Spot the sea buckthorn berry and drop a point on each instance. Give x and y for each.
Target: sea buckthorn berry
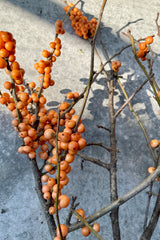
(70, 95)
(45, 178)
(45, 188)
(81, 128)
(32, 155)
(57, 52)
(7, 85)
(57, 40)
(32, 85)
(49, 133)
(63, 201)
(47, 195)
(15, 65)
(81, 143)
(52, 45)
(64, 230)
(59, 23)
(16, 74)
(85, 231)
(6, 36)
(46, 53)
(3, 63)
(149, 40)
(81, 212)
(154, 143)
(75, 95)
(52, 210)
(158, 93)
(11, 58)
(64, 136)
(142, 45)
(10, 45)
(140, 53)
(4, 53)
(151, 170)
(96, 227)
(51, 182)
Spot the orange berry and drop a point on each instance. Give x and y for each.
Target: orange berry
(45, 178)
(149, 40)
(7, 85)
(46, 53)
(76, 95)
(70, 95)
(59, 23)
(151, 170)
(52, 211)
(15, 65)
(3, 63)
(10, 45)
(6, 36)
(47, 195)
(45, 188)
(32, 85)
(81, 212)
(85, 231)
(4, 53)
(64, 230)
(142, 45)
(57, 52)
(96, 227)
(16, 74)
(154, 143)
(43, 156)
(11, 58)
(51, 182)
(32, 155)
(69, 158)
(63, 201)
(49, 133)
(82, 143)
(48, 167)
(80, 128)
(140, 53)
(64, 137)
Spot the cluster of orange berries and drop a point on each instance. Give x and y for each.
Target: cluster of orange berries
(37, 127)
(80, 23)
(116, 65)
(59, 27)
(143, 48)
(85, 231)
(45, 66)
(7, 57)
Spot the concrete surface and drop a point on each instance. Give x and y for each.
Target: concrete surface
(32, 24)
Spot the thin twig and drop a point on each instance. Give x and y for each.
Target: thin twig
(147, 234)
(130, 98)
(95, 161)
(91, 64)
(138, 120)
(147, 208)
(58, 180)
(144, 184)
(70, 213)
(158, 26)
(101, 145)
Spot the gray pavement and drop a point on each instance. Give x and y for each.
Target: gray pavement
(32, 24)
